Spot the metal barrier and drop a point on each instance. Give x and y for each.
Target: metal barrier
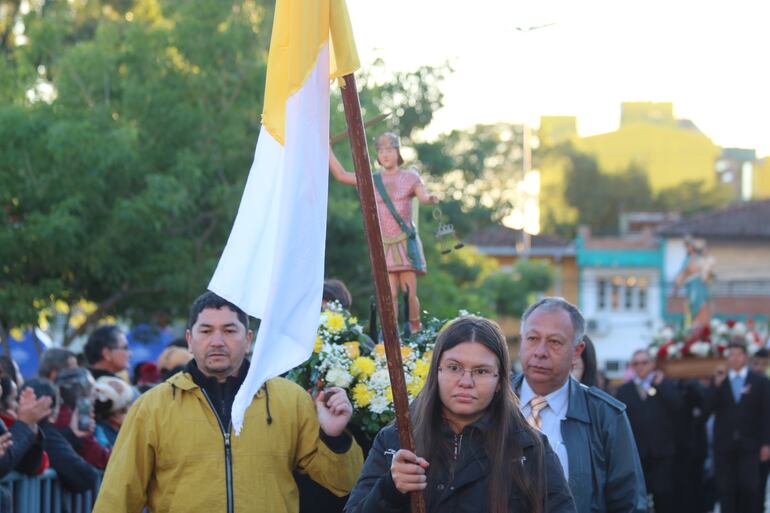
(42, 494)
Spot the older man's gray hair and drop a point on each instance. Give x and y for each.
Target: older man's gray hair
(552, 303)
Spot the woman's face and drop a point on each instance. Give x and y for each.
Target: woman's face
(467, 381)
(577, 368)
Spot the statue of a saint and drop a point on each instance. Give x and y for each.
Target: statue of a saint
(394, 188)
(696, 276)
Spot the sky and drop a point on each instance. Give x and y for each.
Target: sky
(709, 58)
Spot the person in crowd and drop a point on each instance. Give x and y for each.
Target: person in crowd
(587, 428)
(75, 473)
(112, 398)
(176, 451)
(740, 402)
(10, 368)
(760, 362)
(474, 451)
(395, 187)
(75, 419)
(21, 447)
(585, 368)
(172, 360)
(335, 290)
(654, 406)
(54, 360)
(107, 352)
(692, 495)
(145, 376)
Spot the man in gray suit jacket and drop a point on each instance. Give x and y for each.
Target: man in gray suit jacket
(587, 428)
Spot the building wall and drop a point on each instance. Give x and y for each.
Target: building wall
(623, 314)
(669, 154)
(761, 179)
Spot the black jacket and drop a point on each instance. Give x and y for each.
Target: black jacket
(653, 420)
(466, 491)
(25, 454)
(75, 473)
(744, 426)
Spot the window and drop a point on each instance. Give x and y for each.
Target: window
(601, 300)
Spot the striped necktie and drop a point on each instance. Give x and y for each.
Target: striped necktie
(537, 403)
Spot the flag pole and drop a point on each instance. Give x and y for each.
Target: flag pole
(365, 187)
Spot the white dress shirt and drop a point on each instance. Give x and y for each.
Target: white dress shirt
(550, 417)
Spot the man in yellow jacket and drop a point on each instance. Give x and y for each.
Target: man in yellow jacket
(176, 452)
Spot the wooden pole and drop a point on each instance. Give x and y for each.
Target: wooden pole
(365, 187)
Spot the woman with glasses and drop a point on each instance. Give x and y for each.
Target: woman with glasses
(475, 452)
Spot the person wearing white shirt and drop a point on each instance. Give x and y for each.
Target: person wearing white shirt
(740, 402)
(588, 429)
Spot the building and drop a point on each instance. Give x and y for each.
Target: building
(620, 293)
(738, 237)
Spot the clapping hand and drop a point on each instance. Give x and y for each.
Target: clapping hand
(334, 410)
(408, 471)
(5, 443)
(31, 409)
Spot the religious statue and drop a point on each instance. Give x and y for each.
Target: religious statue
(394, 188)
(695, 276)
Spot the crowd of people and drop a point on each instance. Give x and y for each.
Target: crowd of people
(68, 416)
(486, 438)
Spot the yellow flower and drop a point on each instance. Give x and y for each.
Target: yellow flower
(335, 322)
(379, 350)
(362, 396)
(414, 387)
(353, 320)
(389, 394)
(77, 319)
(405, 351)
(17, 334)
(42, 319)
(362, 366)
(421, 368)
(318, 344)
(353, 349)
(427, 356)
(61, 306)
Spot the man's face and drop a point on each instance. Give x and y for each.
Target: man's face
(759, 364)
(116, 357)
(547, 351)
(737, 358)
(642, 364)
(219, 342)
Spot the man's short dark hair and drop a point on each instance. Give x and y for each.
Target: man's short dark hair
(103, 337)
(762, 353)
(335, 290)
(54, 359)
(551, 303)
(211, 300)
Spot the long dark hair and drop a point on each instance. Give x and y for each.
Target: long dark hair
(590, 368)
(505, 470)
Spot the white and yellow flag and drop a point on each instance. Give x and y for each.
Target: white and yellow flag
(273, 264)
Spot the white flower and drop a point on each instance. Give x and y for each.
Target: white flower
(700, 348)
(667, 333)
(380, 379)
(379, 404)
(739, 329)
(339, 377)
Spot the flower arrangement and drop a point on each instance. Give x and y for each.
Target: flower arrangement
(706, 341)
(346, 357)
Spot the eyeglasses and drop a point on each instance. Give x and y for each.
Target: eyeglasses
(478, 374)
(634, 364)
